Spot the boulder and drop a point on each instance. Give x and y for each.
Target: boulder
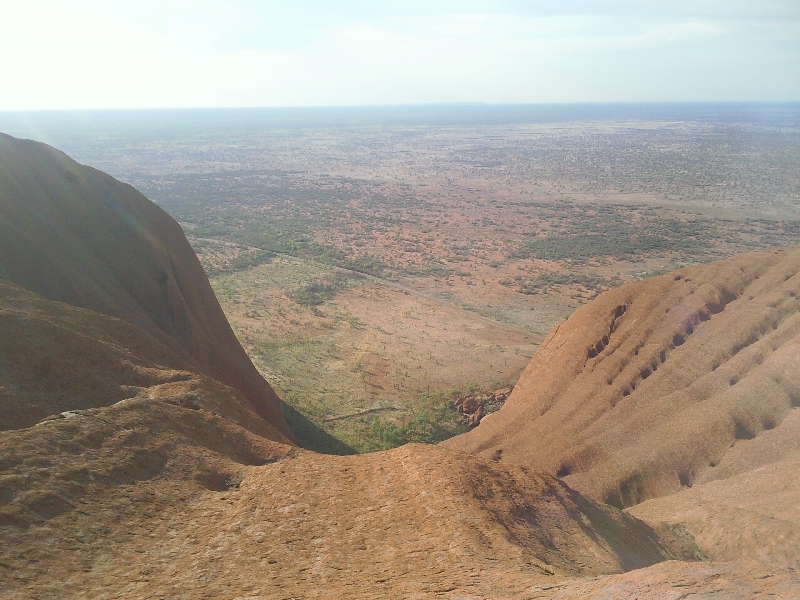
(470, 405)
(475, 418)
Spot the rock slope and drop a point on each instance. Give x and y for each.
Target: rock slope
(145, 477)
(676, 396)
(76, 235)
(652, 387)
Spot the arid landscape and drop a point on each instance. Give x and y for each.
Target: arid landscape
(376, 265)
(564, 346)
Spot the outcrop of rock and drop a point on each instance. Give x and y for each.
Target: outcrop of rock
(652, 386)
(473, 407)
(412, 522)
(76, 235)
(679, 392)
(750, 510)
(57, 359)
(150, 478)
(113, 407)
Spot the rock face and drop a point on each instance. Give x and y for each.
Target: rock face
(76, 235)
(412, 522)
(672, 579)
(152, 478)
(112, 406)
(56, 358)
(470, 405)
(677, 396)
(754, 515)
(652, 386)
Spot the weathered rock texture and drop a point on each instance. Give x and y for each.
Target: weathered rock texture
(74, 234)
(680, 393)
(653, 386)
(752, 516)
(55, 358)
(150, 478)
(674, 580)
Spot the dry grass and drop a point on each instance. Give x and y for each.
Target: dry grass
(368, 348)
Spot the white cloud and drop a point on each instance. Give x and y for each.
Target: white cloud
(88, 54)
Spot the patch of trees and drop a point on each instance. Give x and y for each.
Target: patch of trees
(618, 240)
(544, 281)
(317, 292)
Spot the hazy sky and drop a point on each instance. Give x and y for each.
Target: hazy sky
(142, 53)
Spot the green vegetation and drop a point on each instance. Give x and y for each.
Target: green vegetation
(584, 247)
(317, 292)
(343, 391)
(312, 436)
(218, 258)
(432, 420)
(580, 233)
(247, 260)
(275, 213)
(544, 282)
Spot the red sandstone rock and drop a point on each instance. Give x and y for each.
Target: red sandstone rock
(470, 405)
(76, 235)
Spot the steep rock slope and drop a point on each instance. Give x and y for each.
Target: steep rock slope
(752, 516)
(76, 235)
(55, 358)
(654, 386)
(124, 408)
(677, 397)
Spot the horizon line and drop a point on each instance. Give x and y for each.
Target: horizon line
(418, 105)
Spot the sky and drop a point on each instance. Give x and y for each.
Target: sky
(87, 54)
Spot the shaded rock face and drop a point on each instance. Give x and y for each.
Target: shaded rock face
(754, 515)
(658, 385)
(76, 235)
(56, 360)
(89, 403)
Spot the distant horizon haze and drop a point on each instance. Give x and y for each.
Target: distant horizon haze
(87, 55)
(70, 129)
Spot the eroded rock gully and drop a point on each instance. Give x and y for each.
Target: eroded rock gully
(672, 396)
(641, 391)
